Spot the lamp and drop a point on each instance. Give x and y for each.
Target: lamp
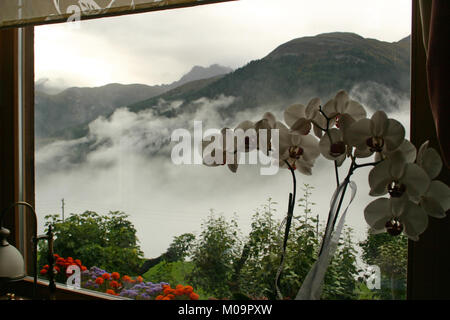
(12, 266)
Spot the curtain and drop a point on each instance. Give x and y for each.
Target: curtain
(435, 16)
(14, 13)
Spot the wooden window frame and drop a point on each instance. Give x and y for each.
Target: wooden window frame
(428, 259)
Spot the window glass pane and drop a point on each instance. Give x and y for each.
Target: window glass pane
(109, 95)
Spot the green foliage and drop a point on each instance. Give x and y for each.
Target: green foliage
(180, 248)
(106, 241)
(258, 274)
(214, 253)
(302, 250)
(227, 267)
(390, 254)
(340, 282)
(172, 272)
(221, 263)
(364, 293)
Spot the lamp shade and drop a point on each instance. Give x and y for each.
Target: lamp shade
(12, 266)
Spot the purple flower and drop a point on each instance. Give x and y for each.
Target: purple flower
(124, 293)
(145, 296)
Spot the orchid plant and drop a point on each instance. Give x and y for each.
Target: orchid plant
(402, 178)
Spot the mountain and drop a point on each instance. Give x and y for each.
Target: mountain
(377, 73)
(71, 110)
(199, 72)
(306, 67)
(75, 106)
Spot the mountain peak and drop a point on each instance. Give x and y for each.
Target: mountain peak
(199, 72)
(322, 45)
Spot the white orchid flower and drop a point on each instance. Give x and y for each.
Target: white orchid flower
(333, 146)
(396, 176)
(396, 215)
(300, 151)
(250, 137)
(268, 123)
(407, 149)
(301, 119)
(429, 160)
(436, 200)
(211, 148)
(376, 134)
(303, 166)
(340, 105)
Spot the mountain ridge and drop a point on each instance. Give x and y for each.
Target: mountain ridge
(302, 67)
(76, 106)
(292, 72)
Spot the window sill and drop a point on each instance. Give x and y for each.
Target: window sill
(24, 288)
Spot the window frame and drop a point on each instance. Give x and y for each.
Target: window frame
(427, 259)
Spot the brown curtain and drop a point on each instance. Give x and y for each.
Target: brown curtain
(14, 13)
(435, 16)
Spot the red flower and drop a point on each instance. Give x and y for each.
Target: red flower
(160, 297)
(83, 268)
(179, 292)
(106, 276)
(110, 291)
(140, 279)
(126, 278)
(115, 275)
(57, 269)
(78, 262)
(171, 296)
(114, 284)
(46, 266)
(188, 289)
(168, 290)
(99, 281)
(43, 271)
(194, 296)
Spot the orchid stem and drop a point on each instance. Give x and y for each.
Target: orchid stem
(336, 171)
(357, 166)
(290, 214)
(352, 168)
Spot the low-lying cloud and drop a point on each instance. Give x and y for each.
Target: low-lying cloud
(124, 164)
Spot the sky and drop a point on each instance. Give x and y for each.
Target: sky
(159, 47)
(164, 200)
